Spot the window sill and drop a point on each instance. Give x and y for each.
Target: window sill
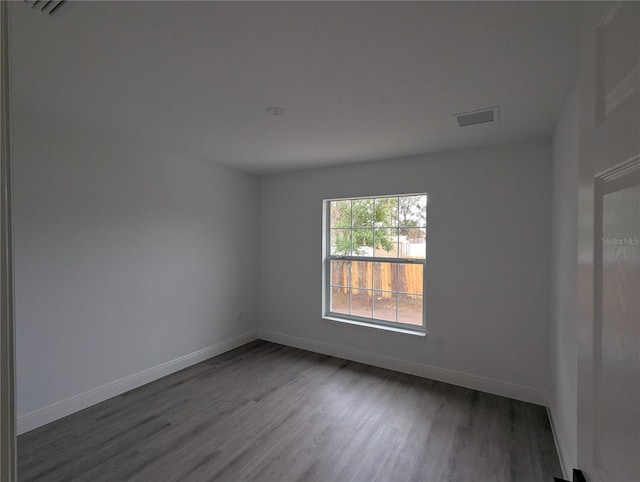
(376, 326)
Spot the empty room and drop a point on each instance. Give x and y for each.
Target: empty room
(320, 241)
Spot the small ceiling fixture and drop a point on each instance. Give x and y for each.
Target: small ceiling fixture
(480, 116)
(275, 110)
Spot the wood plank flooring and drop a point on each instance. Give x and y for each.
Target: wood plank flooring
(273, 413)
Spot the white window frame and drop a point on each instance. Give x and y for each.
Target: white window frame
(327, 257)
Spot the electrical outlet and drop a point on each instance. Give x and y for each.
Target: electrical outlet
(438, 342)
(239, 317)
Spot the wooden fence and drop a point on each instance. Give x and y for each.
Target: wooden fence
(407, 278)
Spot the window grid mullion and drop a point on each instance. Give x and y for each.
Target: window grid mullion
(378, 260)
(382, 291)
(351, 240)
(396, 284)
(373, 251)
(350, 289)
(371, 289)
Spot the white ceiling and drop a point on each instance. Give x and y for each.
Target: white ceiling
(359, 81)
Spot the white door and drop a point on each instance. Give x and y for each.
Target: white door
(609, 244)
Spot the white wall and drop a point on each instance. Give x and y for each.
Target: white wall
(125, 258)
(128, 258)
(487, 266)
(564, 259)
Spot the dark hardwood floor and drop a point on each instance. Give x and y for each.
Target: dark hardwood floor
(274, 413)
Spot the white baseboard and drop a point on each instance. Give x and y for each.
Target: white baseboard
(531, 395)
(556, 439)
(42, 416)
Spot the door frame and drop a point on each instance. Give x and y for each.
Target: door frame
(7, 337)
(600, 166)
(620, 176)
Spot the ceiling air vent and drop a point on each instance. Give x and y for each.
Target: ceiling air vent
(480, 116)
(46, 6)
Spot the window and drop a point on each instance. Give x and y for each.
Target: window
(375, 258)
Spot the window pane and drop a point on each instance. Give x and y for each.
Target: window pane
(412, 211)
(339, 272)
(362, 213)
(410, 278)
(413, 242)
(386, 212)
(339, 300)
(407, 249)
(410, 309)
(340, 242)
(384, 306)
(340, 214)
(361, 303)
(362, 242)
(361, 274)
(385, 276)
(386, 242)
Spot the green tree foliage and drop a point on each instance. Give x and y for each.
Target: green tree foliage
(411, 217)
(369, 222)
(375, 223)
